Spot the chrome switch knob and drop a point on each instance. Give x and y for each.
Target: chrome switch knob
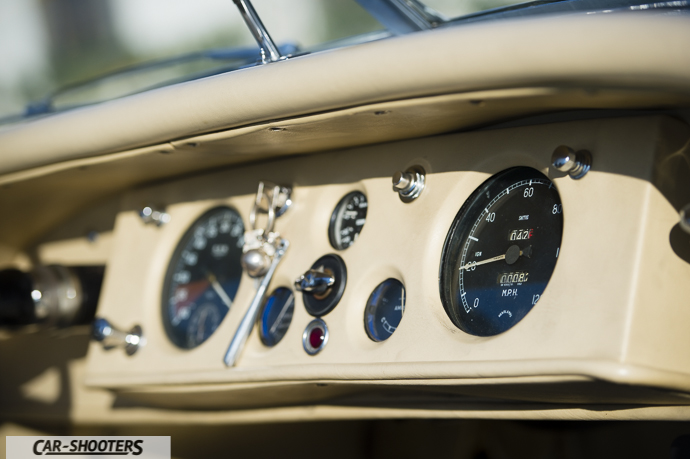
(409, 184)
(685, 218)
(256, 262)
(111, 337)
(403, 181)
(567, 160)
(314, 281)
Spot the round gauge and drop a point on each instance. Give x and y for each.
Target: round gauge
(203, 277)
(384, 310)
(347, 220)
(276, 316)
(500, 251)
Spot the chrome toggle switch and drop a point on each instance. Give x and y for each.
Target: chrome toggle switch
(409, 184)
(249, 319)
(567, 160)
(111, 337)
(685, 218)
(315, 281)
(262, 251)
(154, 216)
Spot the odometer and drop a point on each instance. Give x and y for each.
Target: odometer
(203, 277)
(500, 251)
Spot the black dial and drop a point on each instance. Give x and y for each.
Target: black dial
(203, 277)
(384, 310)
(501, 251)
(347, 220)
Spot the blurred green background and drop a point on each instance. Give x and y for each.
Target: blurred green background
(48, 44)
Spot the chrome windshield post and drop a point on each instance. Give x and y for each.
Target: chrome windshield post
(269, 50)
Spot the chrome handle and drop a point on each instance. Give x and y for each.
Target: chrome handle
(409, 184)
(314, 281)
(111, 337)
(567, 160)
(245, 327)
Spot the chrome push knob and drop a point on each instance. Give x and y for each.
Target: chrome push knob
(403, 181)
(111, 337)
(685, 218)
(256, 262)
(567, 160)
(314, 281)
(409, 184)
(153, 216)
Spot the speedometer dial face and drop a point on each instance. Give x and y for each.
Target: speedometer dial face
(203, 277)
(501, 251)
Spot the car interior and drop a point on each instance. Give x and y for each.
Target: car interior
(455, 236)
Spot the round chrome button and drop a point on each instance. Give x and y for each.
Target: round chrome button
(315, 336)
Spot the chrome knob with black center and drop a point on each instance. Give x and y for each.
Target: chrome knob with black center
(323, 285)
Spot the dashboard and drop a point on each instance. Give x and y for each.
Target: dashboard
(599, 328)
(505, 251)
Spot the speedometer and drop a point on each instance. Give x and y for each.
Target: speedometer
(501, 251)
(203, 277)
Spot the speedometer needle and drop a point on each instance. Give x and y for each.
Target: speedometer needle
(218, 289)
(511, 256)
(472, 264)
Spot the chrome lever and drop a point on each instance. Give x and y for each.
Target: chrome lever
(314, 281)
(111, 337)
(245, 327)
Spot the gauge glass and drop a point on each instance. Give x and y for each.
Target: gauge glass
(347, 220)
(501, 251)
(203, 277)
(384, 310)
(276, 316)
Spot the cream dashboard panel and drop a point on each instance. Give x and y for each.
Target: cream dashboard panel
(611, 310)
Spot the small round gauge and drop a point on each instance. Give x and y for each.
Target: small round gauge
(384, 310)
(347, 220)
(276, 316)
(203, 277)
(500, 251)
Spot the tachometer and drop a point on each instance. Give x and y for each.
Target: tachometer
(203, 277)
(501, 251)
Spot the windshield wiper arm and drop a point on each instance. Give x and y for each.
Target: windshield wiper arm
(403, 16)
(269, 50)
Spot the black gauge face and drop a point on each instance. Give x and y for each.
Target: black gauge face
(203, 277)
(501, 251)
(347, 220)
(384, 310)
(276, 316)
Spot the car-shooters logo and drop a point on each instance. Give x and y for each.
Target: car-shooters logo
(142, 447)
(87, 447)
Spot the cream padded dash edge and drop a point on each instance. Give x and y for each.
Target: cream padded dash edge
(631, 50)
